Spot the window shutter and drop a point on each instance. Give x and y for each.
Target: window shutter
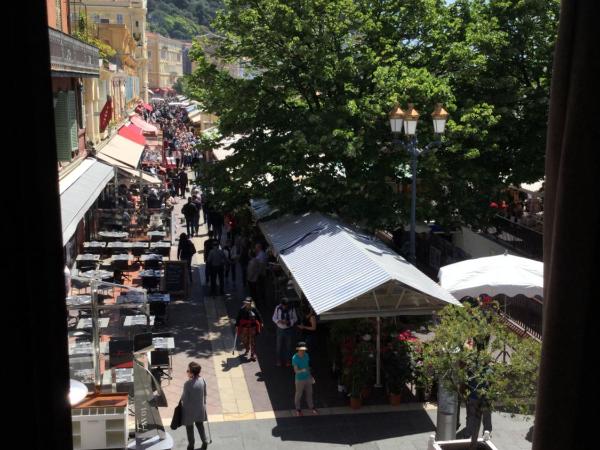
(72, 119)
(63, 134)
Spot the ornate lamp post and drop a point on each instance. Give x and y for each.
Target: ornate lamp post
(410, 119)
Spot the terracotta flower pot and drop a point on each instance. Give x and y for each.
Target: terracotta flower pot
(395, 399)
(355, 402)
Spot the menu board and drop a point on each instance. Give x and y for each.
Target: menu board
(176, 277)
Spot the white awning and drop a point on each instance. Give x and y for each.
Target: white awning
(78, 192)
(125, 151)
(345, 274)
(223, 151)
(146, 177)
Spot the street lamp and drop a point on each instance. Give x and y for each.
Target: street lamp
(410, 119)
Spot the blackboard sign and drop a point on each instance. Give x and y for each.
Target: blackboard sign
(176, 277)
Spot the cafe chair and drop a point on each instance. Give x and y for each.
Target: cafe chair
(160, 365)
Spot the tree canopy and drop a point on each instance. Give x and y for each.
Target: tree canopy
(181, 19)
(322, 75)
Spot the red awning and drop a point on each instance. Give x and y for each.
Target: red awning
(148, 107)
(141, 123)
(133, 133)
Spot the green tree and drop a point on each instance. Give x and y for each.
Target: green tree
(325, 73)
(464, 356)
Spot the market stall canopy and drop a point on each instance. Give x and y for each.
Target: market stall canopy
(145, 126)
(493, 275)
(195, 116)
(133, 133)
(125, 151)
(346, 274)
(146, 177)
(78, 192)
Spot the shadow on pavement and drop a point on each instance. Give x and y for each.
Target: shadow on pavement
(353, 429)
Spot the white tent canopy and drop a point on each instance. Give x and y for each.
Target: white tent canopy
(345, 274)
(494, 275)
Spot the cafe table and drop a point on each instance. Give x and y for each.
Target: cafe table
(161, 247)
(163, 343)
(113, 235)
(86, 260)
(159, 297)
(79, 300)
(150, 278)
(138, 248)
(87, 323)
(95, 247)
(139, 320)
(96, 274)
(85, 348)
(121, 262)
(118, 247)
(156, 235)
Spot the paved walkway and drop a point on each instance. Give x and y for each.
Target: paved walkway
(250, 403)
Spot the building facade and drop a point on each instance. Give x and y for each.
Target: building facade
(130, 15)
(165, 57)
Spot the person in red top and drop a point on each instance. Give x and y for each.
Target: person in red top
(248, 324)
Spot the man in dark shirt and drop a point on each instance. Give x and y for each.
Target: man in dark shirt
(189, 211)
(208, 246)
(183, 182)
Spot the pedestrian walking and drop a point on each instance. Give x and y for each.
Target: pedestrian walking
(185, 251)
(303, 379)
(216, 262)
(285, 318)
(249, 324)
(193, 405)
(183, 182)
(189, 212)
(208, 246)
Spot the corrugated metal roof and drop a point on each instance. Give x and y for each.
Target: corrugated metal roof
(333, 265)
(78, 192)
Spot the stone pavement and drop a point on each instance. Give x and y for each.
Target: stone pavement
(250, 403)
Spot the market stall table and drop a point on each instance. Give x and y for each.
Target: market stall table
(161, 247)
(113, 235)
(87, 323)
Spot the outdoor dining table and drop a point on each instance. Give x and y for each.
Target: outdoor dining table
(151, 261)
(140, 319)
(121, 262)
(86, 259)
(159, 297)
(113, 235)
(138, 248)
(85, 348)
(97, 274)
(165, 343)
(79, 300)
(157, 235)
(118, 247)
(131, 297)
(161, 247)
(95, 247)
(150, 278)
(122, 375)
(87, 322)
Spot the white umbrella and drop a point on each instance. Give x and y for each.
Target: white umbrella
(503, 274)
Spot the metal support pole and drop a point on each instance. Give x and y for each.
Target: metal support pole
(413, 206)
(378, 356)
(96, 336)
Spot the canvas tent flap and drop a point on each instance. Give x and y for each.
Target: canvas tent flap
(344, 274)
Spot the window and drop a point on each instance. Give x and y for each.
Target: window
(104, 20)
(137, 24)
(58, 8)
(95, 18)
(149, 54)
(120, 19)
(178, 57)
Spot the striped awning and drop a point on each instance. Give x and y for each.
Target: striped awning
(345, 274)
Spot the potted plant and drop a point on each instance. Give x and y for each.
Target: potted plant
(397, 366)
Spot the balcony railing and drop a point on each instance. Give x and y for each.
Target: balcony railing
(524, 313)
(70, 55)
(514, 236)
